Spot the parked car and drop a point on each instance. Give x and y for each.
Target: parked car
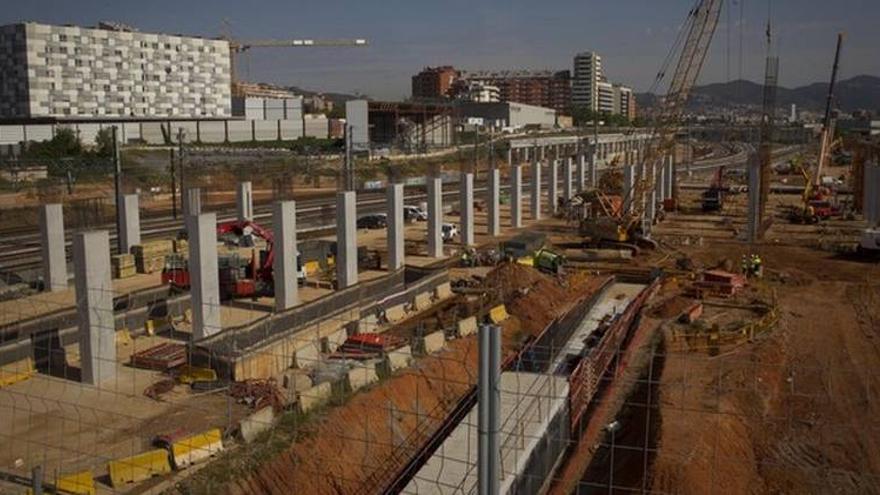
(448, 231)
(374, 221)
(414, 214)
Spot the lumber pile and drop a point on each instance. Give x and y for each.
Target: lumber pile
(149, 257)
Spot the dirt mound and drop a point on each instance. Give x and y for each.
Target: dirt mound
(373, 433)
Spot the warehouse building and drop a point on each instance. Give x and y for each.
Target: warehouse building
(508, 115)
(110, 71)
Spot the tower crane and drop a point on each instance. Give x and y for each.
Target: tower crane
(627, 226)
(237, 47)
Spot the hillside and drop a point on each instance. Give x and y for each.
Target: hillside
(857, 93)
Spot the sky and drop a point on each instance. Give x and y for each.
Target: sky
(633, 36)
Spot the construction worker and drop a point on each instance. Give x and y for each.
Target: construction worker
(757, 269)
(745, 266)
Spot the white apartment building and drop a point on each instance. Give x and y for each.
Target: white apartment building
(585, 81)
(592, 90)
(110, 72)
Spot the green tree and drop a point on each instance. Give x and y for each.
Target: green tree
(64, 144)
(104, 142)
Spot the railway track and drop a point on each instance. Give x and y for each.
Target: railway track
(20, 257)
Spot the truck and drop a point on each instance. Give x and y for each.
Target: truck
(528, 249)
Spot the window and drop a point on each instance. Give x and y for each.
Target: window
(118, 65)
(62, 49)
(62, 37)
(106, 87)
(118, 53)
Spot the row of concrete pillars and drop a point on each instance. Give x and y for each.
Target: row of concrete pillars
(92, 250)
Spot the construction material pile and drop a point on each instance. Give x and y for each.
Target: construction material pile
(122, 265)
(149, 257)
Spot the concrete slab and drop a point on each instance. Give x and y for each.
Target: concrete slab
(258, 422)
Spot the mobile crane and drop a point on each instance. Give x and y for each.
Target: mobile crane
(613, 226)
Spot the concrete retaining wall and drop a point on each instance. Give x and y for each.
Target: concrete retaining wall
(265, 130)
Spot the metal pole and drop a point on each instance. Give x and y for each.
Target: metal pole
(173, 184)
(489, 405)
(37, 472)
(180, 137)
(117, 186)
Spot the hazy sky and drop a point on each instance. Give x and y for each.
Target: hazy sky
(633, 36)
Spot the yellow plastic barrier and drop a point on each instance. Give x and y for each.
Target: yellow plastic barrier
(16, 372)
(498, 314)
(192, 374)
(82, 483)
(196, 448)
(139, 467)
(311, 267)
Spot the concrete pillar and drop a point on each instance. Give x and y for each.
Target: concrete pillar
(516, 196)
(131, 222)
(244, 201)
(670, 176)
(204, 274)
(593, 168)
(284, 265)
(435, 217)
(629, 180)
(567, 191)
(467, 209)
(660, 184)
(493, 221)
(536, 189)
(52, 247)
(94, 296)
(346, 239)
(651, 207)
(192, 202)
(553, 189)
(581, 172)
(396, 227)
(509, 158)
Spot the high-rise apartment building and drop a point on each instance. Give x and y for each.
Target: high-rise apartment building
(110, 71)
(585, 82)
(434, 82)
(590, 89)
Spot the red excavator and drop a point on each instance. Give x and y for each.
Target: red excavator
(238, 277)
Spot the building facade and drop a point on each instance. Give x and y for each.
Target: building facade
(549, 89)
(586, 79)
(590, 89)
(434, 82)
(76, 72)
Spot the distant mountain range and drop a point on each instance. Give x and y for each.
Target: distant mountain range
(857, 93)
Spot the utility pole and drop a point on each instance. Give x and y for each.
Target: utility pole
(117, 186)
(173, 184)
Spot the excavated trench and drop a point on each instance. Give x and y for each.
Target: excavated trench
(622, 464)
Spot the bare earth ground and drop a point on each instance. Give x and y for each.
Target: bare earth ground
(794, 412)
